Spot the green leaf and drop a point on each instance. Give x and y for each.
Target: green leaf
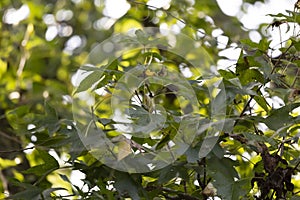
(105, 121)
(242, 64)
(207, 146)
(47, 193)
(192, 154)
(260, 138)
(224, 166)
(236, 82)
(50, 121)
(163, 141)
(50, 111)
(64, 177)
(296, 44)
(280, 117)
(54, 141)
(277, 15)
(125, 184)
(264, 44)
(19, 118)
(295, 198)
(50, 164)
(151, 54)
(142, 37)
(223, 173)
(250, 75)
(89, 81)
(218, 151)
(262, 102)
(167, 174)
(259, 167)
(233, 189)
(249, 43)
(226, 74)
(29, 194)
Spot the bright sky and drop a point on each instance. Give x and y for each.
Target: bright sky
(251, 17)
(254, 16)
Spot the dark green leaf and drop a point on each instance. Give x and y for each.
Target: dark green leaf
(28, 194)
(19, 117)
(89, 81)
(50, 164)
(125, 184)
(262, 102)
(226, 74)
(264, 44)
(64, 177)
(249, 43)
(250, 75)
(279, 118)
(223, 173)
(50, 111)
(142, 37)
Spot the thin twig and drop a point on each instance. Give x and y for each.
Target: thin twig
(10, 137)
(18, 150)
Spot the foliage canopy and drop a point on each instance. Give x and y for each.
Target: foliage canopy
(68, 68)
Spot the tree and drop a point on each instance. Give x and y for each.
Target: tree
(139, 105)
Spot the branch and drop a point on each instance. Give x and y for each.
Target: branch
(24, 52)
(17, 150)
(9, 137)
(4, 182)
